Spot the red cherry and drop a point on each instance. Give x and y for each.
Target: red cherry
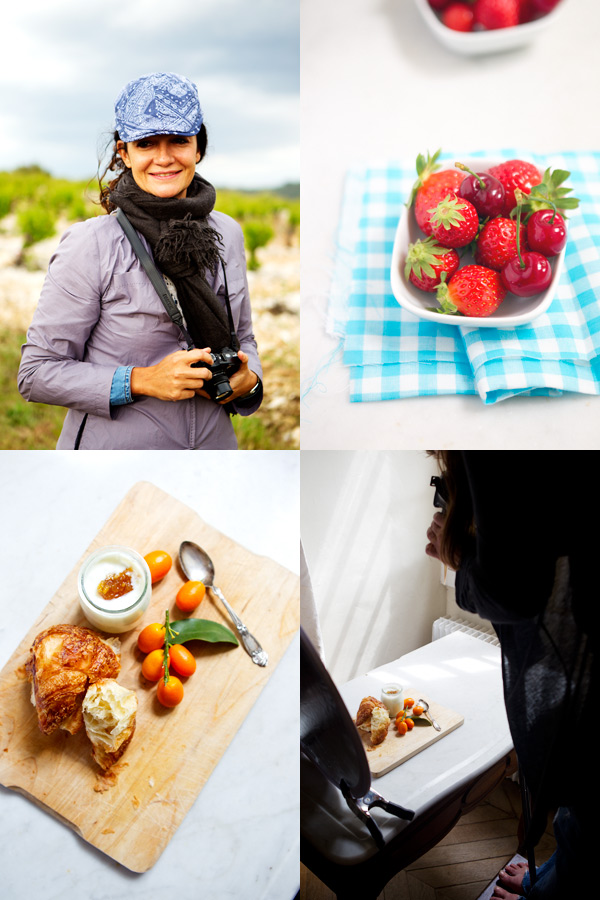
(458, 17)
(438, 4)
(546, 232)
(485, 192)
(527, 280)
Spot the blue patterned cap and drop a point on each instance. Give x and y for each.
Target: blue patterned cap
(160, 103)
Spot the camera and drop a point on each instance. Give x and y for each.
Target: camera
(224, 364)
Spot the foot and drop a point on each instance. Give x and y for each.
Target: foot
(512, 876)
(501, 894)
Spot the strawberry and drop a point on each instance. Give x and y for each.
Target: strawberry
(431, 187)
(436, 188)
(472, 291)
(497, 242)
(493, 14)
(425, 262)
(549, 193)
(515, 173)
(454, 222)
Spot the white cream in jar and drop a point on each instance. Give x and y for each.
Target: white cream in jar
(393, 697)
(119, 613)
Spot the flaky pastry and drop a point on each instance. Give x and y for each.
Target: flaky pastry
(63, 662)
(109, 712)
(373, 716)
(365, 710)
(380, 722)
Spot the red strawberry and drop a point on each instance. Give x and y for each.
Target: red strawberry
(497, 13)
(497, 242)
(458, 17)
(425, 262)
(436, 188)
(454, 222)
(472, 291)
(515, 174)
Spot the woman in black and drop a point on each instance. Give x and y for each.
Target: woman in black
(519, 529)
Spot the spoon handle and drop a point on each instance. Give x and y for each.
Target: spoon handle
(251, 645)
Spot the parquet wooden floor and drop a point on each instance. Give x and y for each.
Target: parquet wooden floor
(464, 862)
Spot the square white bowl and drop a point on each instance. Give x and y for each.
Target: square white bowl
(473, 43)
(512, 311)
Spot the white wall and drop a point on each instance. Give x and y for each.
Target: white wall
(364, 517)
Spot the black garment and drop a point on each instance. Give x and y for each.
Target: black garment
(531, 572)
(185, 247)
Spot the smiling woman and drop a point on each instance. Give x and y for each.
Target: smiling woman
(136, 341)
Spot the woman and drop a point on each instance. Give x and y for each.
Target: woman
(101, 341)
(519, 529)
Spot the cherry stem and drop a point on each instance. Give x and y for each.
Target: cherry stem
(519, 199)
(474, 174)
(554, 208)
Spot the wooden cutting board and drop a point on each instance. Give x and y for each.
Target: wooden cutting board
(173, 751)
(396, 748)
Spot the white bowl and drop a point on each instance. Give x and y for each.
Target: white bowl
(512, 311)
(472, 43)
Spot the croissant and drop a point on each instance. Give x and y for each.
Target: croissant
(64, 660)
(365, 710)
(109, 712)
(380, 722)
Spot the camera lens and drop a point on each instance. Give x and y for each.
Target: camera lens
(220, 387)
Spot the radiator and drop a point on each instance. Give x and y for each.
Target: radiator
(446, 625)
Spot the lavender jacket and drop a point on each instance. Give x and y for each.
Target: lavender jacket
(97, 311)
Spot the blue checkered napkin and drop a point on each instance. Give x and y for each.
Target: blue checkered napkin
(560, 350)
(392, 353)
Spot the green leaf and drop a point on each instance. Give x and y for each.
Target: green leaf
(558, 176)
(418, 720)
(202, 630)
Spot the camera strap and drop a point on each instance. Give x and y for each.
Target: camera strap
(161, 288)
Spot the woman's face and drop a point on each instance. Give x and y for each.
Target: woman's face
(163, 164)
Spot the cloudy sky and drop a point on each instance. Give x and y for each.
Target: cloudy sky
(64, 63)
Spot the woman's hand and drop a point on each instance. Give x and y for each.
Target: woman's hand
(434, 534)
(241, 381)
(173, 378)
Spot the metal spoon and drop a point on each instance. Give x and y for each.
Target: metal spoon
(425, 706)
(198, 566)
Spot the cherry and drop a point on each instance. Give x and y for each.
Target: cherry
(458, 17)
(485, 192)
(546, 232)
(526, 275)
(534, 9)
(529, 273)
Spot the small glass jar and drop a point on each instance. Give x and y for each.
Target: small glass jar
(393, 697)
(121, 613)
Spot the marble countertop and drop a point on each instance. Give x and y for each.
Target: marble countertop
(377, 85)
(241, 834)
(460, 673)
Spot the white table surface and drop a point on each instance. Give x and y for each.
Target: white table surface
(240, 838)
(459, 672)
(369, 73)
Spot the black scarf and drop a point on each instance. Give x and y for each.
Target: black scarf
(185, 248)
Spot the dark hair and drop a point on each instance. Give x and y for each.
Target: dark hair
(117, 165)
(458, 529)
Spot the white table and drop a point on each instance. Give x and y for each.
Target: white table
(368, 72)
(459, 672)
(242, 831)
